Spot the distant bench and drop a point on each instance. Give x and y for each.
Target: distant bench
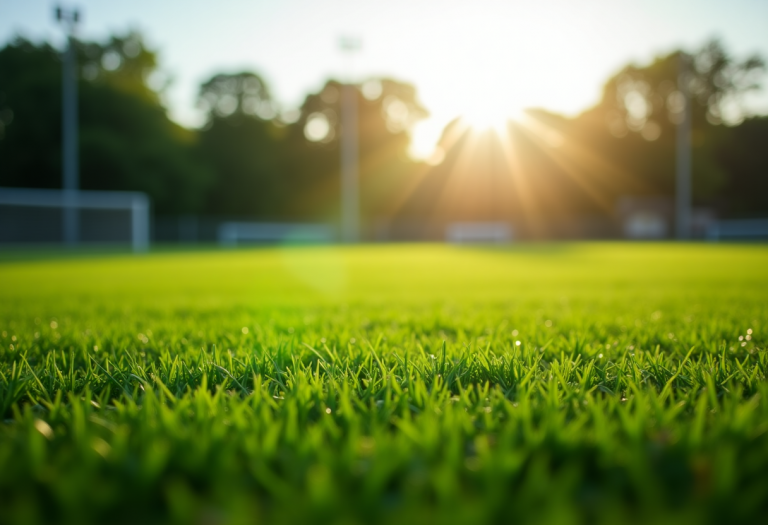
(738, 229)
(232, 233)
(478, 232)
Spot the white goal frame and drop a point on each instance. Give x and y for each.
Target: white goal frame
(136, 203)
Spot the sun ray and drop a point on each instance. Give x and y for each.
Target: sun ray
(570, 158)
(452, 136)
(601, 168)
(451, 190)
(525, 197)
(489, 174)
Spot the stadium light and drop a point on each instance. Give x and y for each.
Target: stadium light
(350, 200)
(683, 154)
(70, 161)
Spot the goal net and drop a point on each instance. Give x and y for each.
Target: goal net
(43, 216)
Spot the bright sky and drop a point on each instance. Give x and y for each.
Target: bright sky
(478, 58)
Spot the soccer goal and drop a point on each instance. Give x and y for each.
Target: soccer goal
(45, 216)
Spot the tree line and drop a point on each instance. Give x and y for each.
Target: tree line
(251, 160)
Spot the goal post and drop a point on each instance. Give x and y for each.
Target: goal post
(134, 203)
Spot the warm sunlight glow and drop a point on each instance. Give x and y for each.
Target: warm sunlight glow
(484, 118)
(487, 105)
(483, 106)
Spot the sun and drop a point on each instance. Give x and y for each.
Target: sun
(481, 121)
(486, 112)
(481, 105)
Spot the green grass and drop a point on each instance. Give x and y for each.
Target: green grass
(563, 383)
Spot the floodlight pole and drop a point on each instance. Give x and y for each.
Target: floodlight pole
(683, 155)
(350, 198)
(70, 160)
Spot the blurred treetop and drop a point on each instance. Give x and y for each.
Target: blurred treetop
(645, 99)
(253, 160)
(127, 141)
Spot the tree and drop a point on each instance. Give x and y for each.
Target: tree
(30, 110)
(546, 170)
(127, 141)
(387, 110)
(242, 142)
(743, 155)
(634, 123)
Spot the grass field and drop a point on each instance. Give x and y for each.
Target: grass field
(563, 383)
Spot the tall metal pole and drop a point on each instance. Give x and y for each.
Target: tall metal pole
(70, 159)
(683, 154)
(350, 199)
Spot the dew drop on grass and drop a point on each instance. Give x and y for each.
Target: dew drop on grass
(367, 444)
(244, 330)
(44, 428)
(517, 343)
(472, 464)
(101, 447)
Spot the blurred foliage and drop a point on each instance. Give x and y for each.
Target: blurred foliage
(385, 114)
(634, 124)
(127, 141)
(744, 156)
(641, 107)
(243, 145)
(550, 168)
(252, 160)
(272, 165)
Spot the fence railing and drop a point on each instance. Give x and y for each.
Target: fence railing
(738, 229)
